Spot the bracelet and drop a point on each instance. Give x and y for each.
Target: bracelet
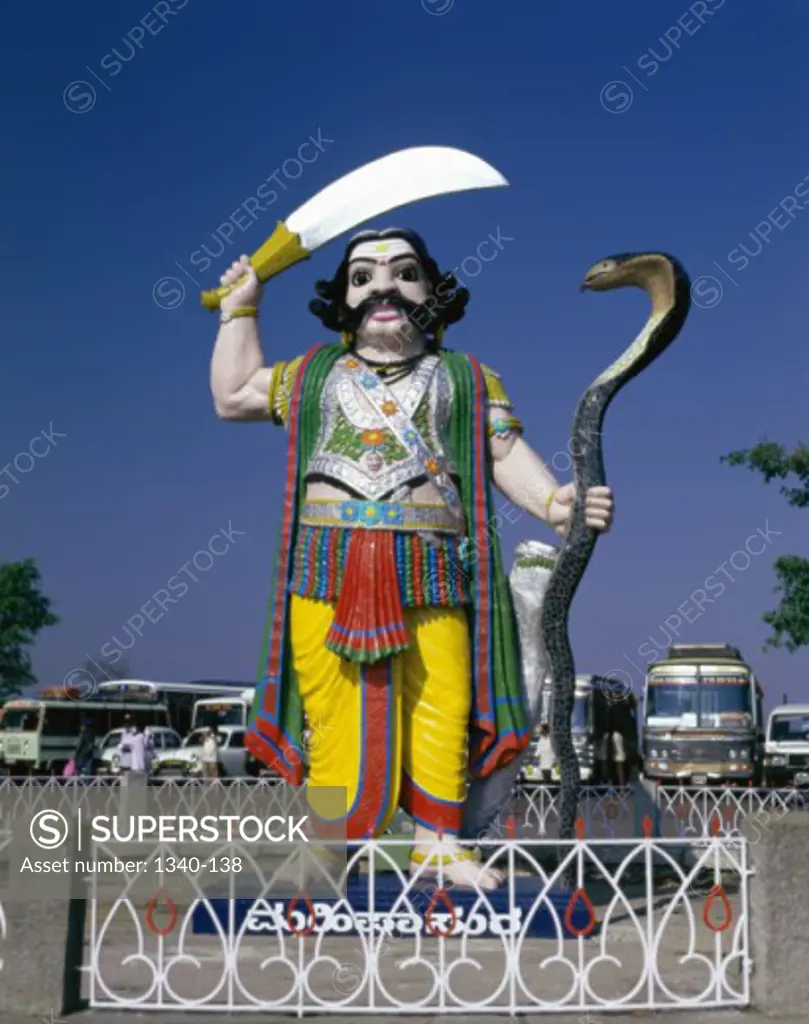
(225, 318)
(549, 501)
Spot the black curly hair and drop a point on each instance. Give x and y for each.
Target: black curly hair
(446, 305)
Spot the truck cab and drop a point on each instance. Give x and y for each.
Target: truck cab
(786, 746)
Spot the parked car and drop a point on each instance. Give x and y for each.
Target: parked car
(186, 760)
(786, 746)
(106, 758)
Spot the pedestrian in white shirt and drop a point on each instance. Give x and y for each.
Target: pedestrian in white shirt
(140, 750)
(547, 758)
(210, 756)
(125, 746)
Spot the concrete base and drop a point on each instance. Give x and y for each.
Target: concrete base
(42, 956)
(779, 912)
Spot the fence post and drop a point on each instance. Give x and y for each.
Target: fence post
(779, 912)
(43, 951)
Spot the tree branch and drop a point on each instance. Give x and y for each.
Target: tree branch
(790, 621)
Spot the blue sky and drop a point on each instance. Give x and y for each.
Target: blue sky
(135, 132)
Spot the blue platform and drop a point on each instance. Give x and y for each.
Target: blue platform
(491, 919)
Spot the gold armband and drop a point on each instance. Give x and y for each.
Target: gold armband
(272, 396)
(280, 392)
(495, 392)
(504, 426)
(239, 311)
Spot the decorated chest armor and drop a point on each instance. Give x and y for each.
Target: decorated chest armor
(356, 448)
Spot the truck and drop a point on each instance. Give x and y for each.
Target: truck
(703, 720)
(227, 709)
(786, 747)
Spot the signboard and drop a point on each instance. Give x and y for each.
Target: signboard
(460, 913)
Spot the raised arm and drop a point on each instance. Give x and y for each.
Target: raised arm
(240, 382)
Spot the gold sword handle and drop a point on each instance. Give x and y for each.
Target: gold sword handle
(281, 250)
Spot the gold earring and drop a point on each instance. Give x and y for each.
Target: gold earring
(347, 338)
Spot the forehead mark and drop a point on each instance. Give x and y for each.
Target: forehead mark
(382, 251)
(384, 263)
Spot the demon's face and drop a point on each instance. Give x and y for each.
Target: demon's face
(387, 285)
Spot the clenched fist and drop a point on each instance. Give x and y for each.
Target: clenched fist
(248, 293)
(599, 508)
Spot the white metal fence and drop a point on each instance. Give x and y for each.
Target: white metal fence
(677, 811)
(658, 919)
(533, 811)
(643, 933)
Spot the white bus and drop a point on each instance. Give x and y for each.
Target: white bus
(39, 735)
(179, 698)
(703, 722)
(224, 710)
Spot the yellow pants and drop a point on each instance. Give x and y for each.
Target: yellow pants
(395, 732)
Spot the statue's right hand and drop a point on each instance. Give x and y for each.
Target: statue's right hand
(248, 292)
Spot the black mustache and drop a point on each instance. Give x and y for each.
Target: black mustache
(415, 311)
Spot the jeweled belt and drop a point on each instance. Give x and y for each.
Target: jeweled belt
(378, 515)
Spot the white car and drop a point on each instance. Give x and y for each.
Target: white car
(163, 739)
(187, 759)
(786, 747)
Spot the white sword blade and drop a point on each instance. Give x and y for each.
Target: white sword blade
(386, 184)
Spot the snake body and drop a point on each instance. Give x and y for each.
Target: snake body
(660, 330)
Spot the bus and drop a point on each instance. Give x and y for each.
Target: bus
(39, 734)
(179, 698)
(703, 721)
(226, 710)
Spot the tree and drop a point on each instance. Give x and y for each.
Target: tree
(24, 611)
(790, 621)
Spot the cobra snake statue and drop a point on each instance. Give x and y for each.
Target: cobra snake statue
(668, 286)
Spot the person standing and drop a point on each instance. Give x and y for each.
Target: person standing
(545, 752)
(620, 724)
(210, 756)
(85, 749)
(141, 746)
(125, 746)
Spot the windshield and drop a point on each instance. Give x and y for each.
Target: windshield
(725, 705)
(21, 720)
(790, 728)
(112, 740)
(705, 705)
(579, 720)
(672, 704)
(195, 738)
(227, 714)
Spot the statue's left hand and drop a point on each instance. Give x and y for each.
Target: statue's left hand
(599, 508)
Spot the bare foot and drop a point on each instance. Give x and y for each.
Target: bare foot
(460, 865)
